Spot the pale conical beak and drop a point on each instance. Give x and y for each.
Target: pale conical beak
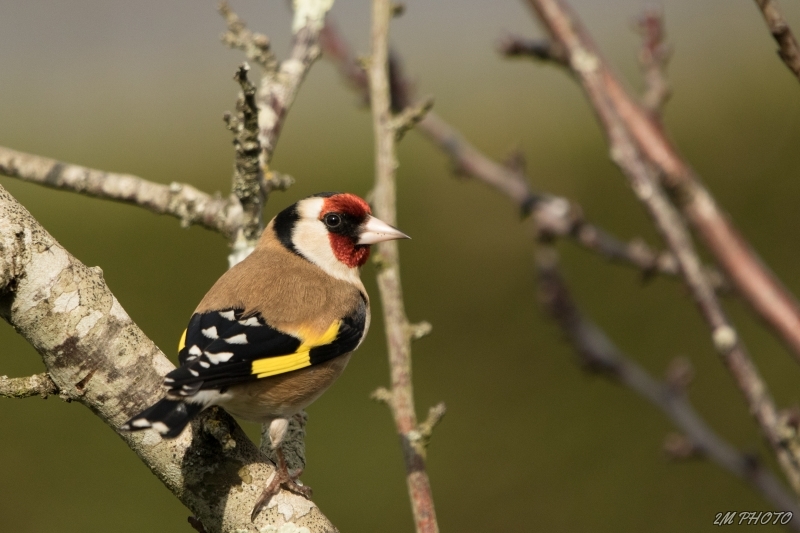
(376, 230)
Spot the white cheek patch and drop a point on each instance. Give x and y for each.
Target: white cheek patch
(310, 238)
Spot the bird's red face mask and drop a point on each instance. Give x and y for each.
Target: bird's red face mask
(352, 228)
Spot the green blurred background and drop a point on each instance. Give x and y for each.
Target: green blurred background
(529, 443)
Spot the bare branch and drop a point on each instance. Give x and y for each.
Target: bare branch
(748, 274)
(256, 46)
(600, 355)
(180, 200)
(97, 356)
(788, 50)
(411, 116)
(589, 68)
(398, 333)
(278, 89)
(653, 58)
(555, 216)
(36, 385)
(541, 49)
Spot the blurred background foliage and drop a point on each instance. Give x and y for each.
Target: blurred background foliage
(529, 442)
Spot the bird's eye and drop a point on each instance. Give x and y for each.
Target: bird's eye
(332, 220)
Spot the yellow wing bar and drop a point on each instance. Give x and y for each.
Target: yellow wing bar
(270, 366)
(182, 342)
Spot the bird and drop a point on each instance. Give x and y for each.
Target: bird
(277, 329)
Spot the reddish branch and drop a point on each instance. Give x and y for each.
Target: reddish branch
(753, 280)
(788, 50)
(399, 333)
(599, 355)
(633, 158)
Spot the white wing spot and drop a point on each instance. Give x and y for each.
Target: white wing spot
(204, 364)
(211, 332)
(221, 357)
(228, 315)
(141, 423)
(241, 338)
(161, 427)
(195, 373)
(252, 321)
(195, 350)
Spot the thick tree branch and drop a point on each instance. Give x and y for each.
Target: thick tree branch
(36, 385)
(400, 397)
(788, 50)
(632, 160)
(752, 279)
(599, 354)
(97, 356)
(180, 200)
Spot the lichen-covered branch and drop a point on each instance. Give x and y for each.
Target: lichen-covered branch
(279, 85)
(36, 385)
(248, 180)
(400, 397)
(598, 354)
(632, 159)
(97, 356)
(788, 50)
(180, 200)
(256, 46)
(742, 266)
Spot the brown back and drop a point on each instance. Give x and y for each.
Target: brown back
(288, 291)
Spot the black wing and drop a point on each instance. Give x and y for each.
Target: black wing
(224, 348)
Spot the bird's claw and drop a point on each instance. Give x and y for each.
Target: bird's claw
(282, 479)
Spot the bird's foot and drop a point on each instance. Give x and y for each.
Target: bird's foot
(281, 479)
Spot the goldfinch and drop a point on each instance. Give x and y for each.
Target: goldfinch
(277, 329)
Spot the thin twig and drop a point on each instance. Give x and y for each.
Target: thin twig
(588, 67)
(748, 274)
(599, 354)
(256, 46)
(400, 397)
(653, 58)
(540, 49)
(36, 385)
(788, 50)
(180, 200)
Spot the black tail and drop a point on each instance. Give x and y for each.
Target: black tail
(168, 417)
